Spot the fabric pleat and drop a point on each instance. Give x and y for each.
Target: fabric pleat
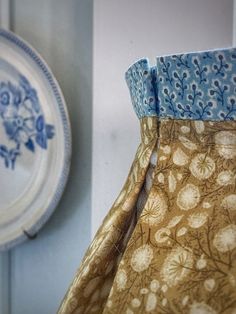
(92, 284)
(181, 257)
(168, 244)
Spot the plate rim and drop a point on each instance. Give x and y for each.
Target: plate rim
(63, 111)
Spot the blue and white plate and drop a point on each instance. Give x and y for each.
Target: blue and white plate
(35, 141)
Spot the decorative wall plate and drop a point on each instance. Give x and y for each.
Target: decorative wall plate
(35, 141)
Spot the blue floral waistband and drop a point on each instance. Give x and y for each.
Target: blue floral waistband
(199, 86)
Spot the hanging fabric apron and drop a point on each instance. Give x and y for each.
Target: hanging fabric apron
(168, 244)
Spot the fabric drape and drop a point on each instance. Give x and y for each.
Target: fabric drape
(168, 244)
(91, 286)
(181, 256)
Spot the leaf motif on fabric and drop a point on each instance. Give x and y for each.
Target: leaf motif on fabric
(141, 258)
(187, 143)
(199, 126)
(171, 182)
(155, 208)
(180, 158)
(226, 144)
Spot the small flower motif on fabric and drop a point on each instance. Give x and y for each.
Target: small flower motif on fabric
(179, 176)
(229, 202)
(161, 177)
(188, 197)
(151, 302)
(197, 220)
(164, 288)
(201, 308)
(176, 266)
(202, 166)
(143, 291)
(226, 177)
(225, 239)
(154, 285)
(166, 149)
(185, 129)
(209, 284)
(135, 303)
(121, 279)
(226, 144)
(201, 262)
(142, 258)
(206, 205)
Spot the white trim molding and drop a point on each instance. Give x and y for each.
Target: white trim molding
(4, 283)
(5, 14)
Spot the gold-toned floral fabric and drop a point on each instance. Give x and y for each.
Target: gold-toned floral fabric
(181, 257)
(168, 244)
(93, 281)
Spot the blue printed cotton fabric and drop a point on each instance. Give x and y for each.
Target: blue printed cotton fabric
(198, 86)
(141, 82)
(168, 245)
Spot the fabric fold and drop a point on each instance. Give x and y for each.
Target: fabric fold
(141, 78)
(93, 281)
(181, 257)
(168, 244)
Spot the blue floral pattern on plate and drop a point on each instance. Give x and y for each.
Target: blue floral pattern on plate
(22, 119)
(200, 86)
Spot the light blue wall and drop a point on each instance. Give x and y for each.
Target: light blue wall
(41, 270)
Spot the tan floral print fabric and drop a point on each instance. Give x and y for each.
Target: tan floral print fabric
(91, 286)
(181, 257)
